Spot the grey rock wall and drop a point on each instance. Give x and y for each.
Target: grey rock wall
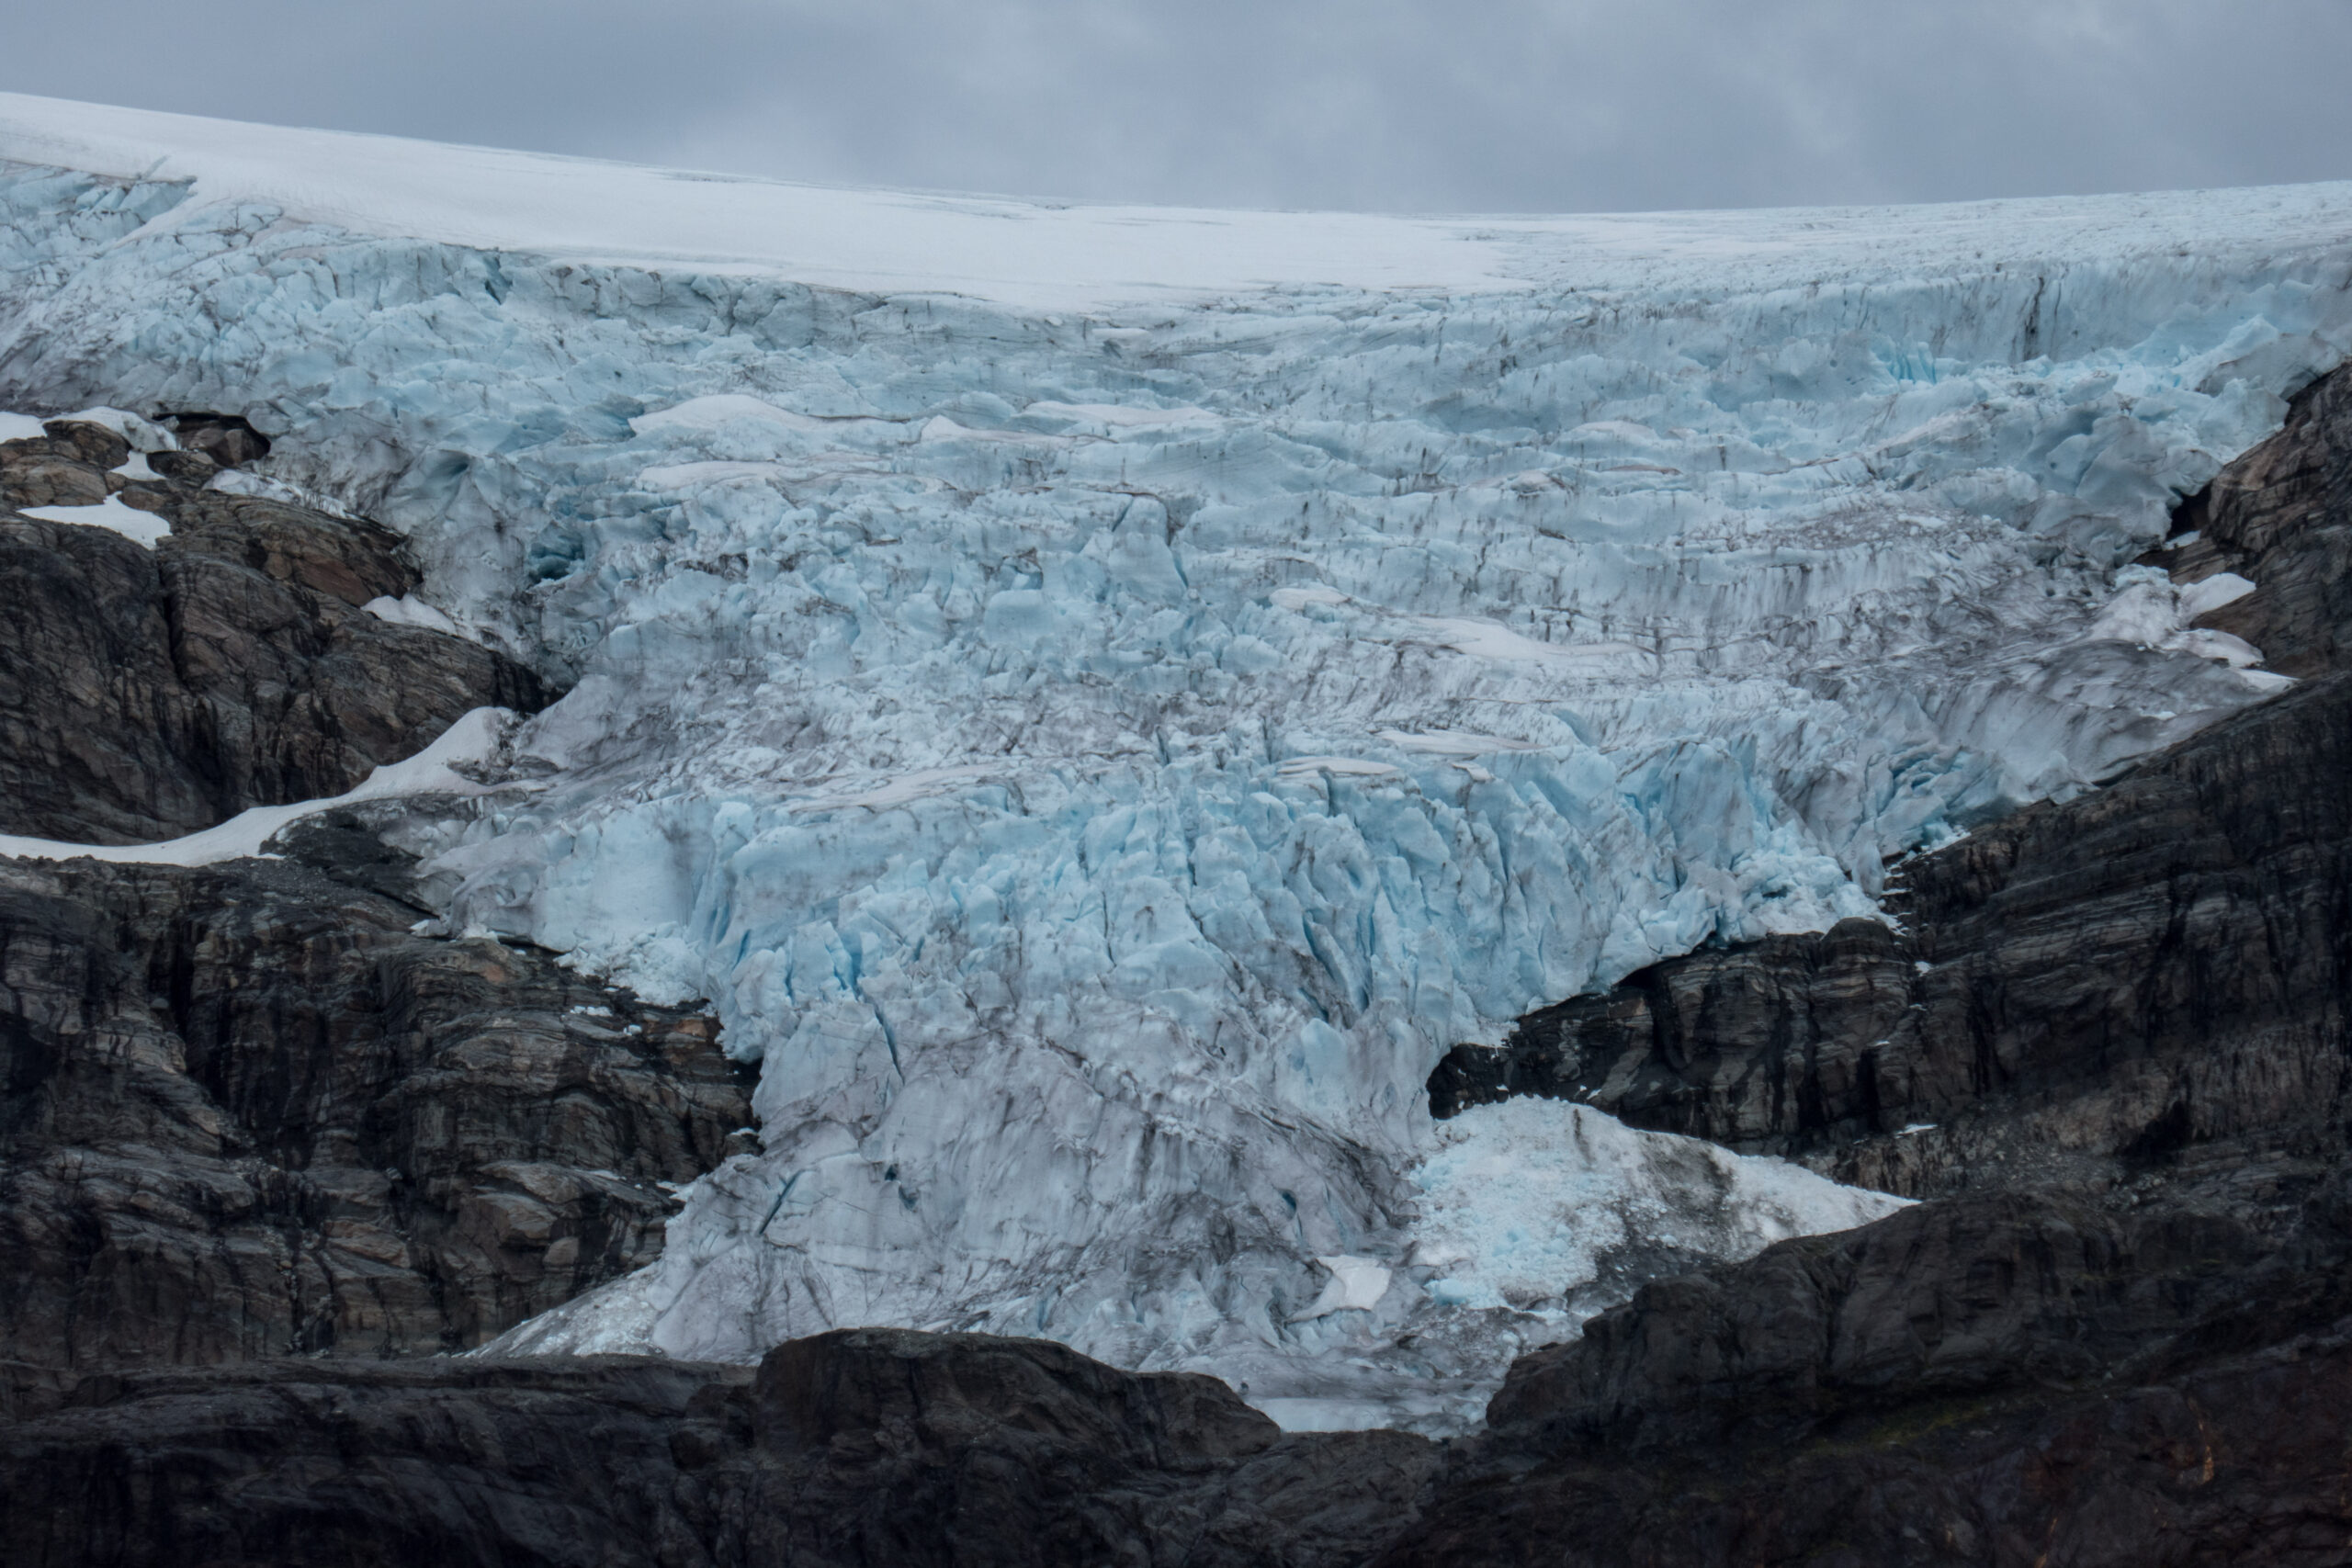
(148, 694)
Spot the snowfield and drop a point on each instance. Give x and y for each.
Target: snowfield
(1100, 699)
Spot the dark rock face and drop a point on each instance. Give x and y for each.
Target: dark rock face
(1945, 1300)
(859, 1447)
(388, 1463)
(144, 694)
(1992, 1382)
(244, 1111)
(2152, 977)
(885, 1445)
(2281, 517)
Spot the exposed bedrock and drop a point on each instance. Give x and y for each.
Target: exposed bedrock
(2148, 979)
(859, 1447)
(1991, 1381)
(147, 693)
(244, 1111)
(1995, 1383)
(2281, 517)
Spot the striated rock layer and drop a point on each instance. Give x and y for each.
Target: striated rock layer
(243, 1112)
(2151, 976)
(145, 693)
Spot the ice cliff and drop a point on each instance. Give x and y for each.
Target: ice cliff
(1101, 699)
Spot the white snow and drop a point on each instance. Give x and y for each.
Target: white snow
(408, 610)
(144, 527)
(144, 434)
(1327, 1415)
(1102, 699)
(239, 481)
(2212, 593)
(1356, 1285)
(473, 738)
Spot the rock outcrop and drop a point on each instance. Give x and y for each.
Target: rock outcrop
(244, 1111)
(2003, 1381)
(859, 1447)
(2281, 517)
(2150, 978)
(148, 694)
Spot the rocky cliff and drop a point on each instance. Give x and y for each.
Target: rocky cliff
(864, 1446)
(245, 1109)
(243, 1112)
(147, 692)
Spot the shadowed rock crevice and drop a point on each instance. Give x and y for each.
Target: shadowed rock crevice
(148, 694)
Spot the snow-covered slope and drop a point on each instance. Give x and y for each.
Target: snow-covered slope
(1101, 699)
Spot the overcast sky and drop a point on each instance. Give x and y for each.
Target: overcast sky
(1402, 105)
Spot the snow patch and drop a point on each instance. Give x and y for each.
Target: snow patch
(144, 528)
(1356, 1285)
(408, 610)
(474, 737)
(1524, 1203)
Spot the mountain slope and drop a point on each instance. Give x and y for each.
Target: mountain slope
(1101, 702)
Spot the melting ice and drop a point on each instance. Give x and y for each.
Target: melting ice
(1100, 700)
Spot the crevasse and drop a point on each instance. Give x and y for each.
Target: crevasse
(1100, 700)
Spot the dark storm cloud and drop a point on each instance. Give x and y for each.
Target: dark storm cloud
(1426, 104)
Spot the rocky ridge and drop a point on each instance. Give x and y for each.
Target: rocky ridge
(145, 693)
(244, 1111)
(249, 1109)
(863, 1446)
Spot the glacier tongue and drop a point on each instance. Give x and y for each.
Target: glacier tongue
(1097, 744)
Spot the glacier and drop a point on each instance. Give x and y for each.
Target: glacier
(1098, 700)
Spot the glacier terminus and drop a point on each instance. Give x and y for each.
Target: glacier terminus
(1101, 700)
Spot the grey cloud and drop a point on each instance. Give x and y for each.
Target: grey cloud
(1416, 105)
